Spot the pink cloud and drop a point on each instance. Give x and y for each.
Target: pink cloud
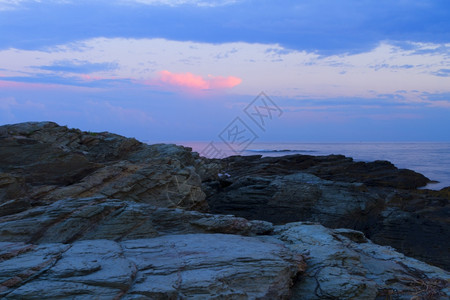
(192, 81)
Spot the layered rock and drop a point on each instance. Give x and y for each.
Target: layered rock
(299, 188)
(141, 251)
(43, 162)
(331, 167)
(200, 266)
(86, 215)
(70, 220)
(344, 264)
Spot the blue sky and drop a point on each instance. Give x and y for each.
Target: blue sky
(184, 70)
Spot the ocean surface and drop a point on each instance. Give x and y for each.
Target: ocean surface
(429, 159)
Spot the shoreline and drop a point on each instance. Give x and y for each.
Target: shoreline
(432, 167)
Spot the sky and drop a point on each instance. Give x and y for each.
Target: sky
(236, 71)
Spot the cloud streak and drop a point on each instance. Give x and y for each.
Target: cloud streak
(197, 82)
(174, 3)
(76, 66)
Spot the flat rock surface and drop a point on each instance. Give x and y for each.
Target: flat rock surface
(192, 266)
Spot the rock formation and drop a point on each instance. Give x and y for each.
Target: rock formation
(96, 215)
(46, 162)
(376, 198)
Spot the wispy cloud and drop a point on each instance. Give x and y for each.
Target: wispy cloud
(173, 3)
(12, 4)
(15, 4)
(37, 83)
(76, 66)
(442, 73)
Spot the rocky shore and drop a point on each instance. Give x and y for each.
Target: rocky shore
(96, 215)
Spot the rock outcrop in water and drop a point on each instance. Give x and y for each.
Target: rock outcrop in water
(87, 215)
(376, 198)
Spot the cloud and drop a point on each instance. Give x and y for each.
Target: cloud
(10, 84)
(137, 64)
(77, 66)
(442, 73)
(173, 3)
(15, 4)
(10, 4)
(192, 81)
(347, 26)
(83, 82)
(37, 83)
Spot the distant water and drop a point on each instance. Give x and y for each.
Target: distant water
(429, 159)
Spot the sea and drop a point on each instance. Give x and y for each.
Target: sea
(429, 159)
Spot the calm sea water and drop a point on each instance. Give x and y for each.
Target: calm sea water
(429, 159)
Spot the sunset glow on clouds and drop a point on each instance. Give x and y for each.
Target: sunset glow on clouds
(193, 81)
(385, 69)
(149, 61)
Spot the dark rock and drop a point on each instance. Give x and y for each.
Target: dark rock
(376, 198)
(331, 167)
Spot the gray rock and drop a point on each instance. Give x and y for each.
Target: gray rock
(343, 264)
(69, 220)
(195, 266)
